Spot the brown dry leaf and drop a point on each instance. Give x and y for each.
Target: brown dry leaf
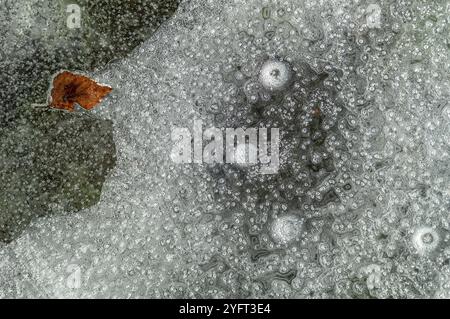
(70, 88)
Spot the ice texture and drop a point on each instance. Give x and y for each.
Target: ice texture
(37, 40)
(364, 162)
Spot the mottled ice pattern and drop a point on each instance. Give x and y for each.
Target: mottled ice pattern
(363, 192)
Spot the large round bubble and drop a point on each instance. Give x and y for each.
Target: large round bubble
(275, 75)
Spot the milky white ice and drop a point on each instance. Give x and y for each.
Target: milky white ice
(286, 228)
(425, 240)
(275, 75)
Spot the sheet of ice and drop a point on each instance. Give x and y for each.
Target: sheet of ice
(159, 230)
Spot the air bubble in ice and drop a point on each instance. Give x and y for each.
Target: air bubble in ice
(425, 240)
(275, 75)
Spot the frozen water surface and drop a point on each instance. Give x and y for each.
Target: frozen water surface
(359, 207)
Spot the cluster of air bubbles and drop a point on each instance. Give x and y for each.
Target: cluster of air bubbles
(286, 229)
(246, 153)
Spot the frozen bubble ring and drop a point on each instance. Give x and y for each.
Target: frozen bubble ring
(425, 240)
(275, 75)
